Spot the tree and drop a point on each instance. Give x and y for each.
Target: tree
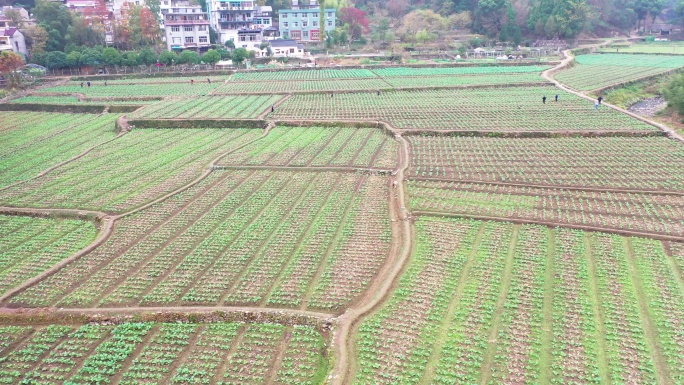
(211, 57)
(56, 19)
(240, 55)
(510, 31)
(168, 58)
(230, 44)
(355, 21)
(417, 21)
(644, 8)
(490, 16)
(36, 38)
(111, 57)
(16, 20)
(129, 59)
(149, 26)
(147, 57)
(188, 57)
(73, 59)
(9, 62)
(396, 8)
(674, 94)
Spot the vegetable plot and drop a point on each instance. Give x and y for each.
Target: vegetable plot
(130, 171)
(319, 147)
(132, 90)
(318, 74)
(30, 148)
(602, 70)
(492, 109)
(215, 107)
(490, 302)
(137, 353)
(29, 246)
(281, 239)
(647, 213)
(61, 100)
(615, 163)
(270, 87)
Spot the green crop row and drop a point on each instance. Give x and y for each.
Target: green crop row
(217, 107)
(129, 171)
(29, 246)
(648, 213)
(627, 163)
(319, 146)
(179, 353)
(491, 302)
(517, 109)
(237, 238)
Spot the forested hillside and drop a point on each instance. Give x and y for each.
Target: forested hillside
(512, 19)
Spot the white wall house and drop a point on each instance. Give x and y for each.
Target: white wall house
(241, 21)
(13, 40)
(185, 25)
(287, 48)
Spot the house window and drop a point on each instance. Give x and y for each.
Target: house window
(330, 14)
(175, 29)
(189, 39)
(284, 15)
(314, 35)
(329, 23)
(267, 21)
(286, 24)
(242, 38)
(251, 38)
(317, 15)
(305, 23)
(296, 24)
(203, 39)
(315, 23)
(305, 35)
(187, 28)
(202, 28)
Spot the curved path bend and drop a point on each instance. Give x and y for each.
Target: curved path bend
(548, 75)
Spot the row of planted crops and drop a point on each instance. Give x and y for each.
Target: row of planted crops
(164, 353)
(279, 239)
(488, 302)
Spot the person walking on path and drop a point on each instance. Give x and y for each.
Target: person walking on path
(596, 105)
(600, 99)
(544, 99)
(208, 80)
(272, 108)
(556, 98)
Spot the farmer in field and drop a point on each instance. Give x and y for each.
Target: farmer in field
(378, 92)
(81, 84)
(272, 108)
(556, 98)
(544, 99)
(596, 105)
(209, 80)
(600, 99)
(192, 81)
(88, 84)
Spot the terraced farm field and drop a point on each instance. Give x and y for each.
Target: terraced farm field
(35, 141)
(164, 353)
(610, 163)
(216, 107)
(29, 246)
(133, 90)
(603, 70)
(263, 238)
(61, 100)
(133, 170)
(487, 302)
(319, 147)
(496, 109)
(455, 235)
